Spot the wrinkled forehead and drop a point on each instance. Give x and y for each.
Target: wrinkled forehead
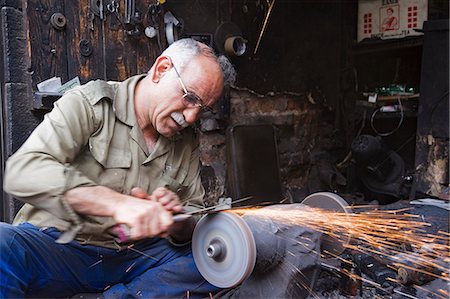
(204, 76)
(205, 68)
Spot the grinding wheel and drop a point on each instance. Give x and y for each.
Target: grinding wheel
(224, 249)
(330, 202)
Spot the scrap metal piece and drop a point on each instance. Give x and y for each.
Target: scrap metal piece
(86, 48)
(58, 21)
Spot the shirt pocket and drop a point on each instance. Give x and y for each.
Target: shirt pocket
(115, 162)
(173, 178)
(113, 178)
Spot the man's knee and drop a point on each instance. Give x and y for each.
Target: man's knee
(7, 233)
(11, 235)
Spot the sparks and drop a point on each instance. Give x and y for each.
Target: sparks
(395, 235)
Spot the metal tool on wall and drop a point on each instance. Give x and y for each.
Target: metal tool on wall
(58, 21)
(133, 19)
(266, 20)
(173, 27)
(154, 21)
(152, 15)
(228, 40)
(115, 20)
(97, 8)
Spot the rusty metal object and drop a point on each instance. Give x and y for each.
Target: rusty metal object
(58, 21)
(85, 47)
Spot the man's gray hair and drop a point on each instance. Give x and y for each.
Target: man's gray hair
(184, 50)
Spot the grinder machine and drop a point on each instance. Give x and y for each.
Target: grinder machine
(258, 257)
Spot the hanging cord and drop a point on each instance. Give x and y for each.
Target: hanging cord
(349, 154)
(400, 122)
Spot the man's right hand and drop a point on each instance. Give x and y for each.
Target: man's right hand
(144, 218)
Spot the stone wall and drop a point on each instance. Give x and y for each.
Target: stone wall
(304, 131)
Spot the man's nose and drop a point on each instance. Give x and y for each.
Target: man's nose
(191, 114)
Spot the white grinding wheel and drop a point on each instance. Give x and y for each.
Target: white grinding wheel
(330, 202)
(224, 249)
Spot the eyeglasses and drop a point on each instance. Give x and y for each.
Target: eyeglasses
(190, 99)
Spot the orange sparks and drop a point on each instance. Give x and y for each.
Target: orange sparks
(382, 233)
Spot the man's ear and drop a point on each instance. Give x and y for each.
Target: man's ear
(162, 65)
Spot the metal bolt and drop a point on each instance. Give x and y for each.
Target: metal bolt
(216, 249)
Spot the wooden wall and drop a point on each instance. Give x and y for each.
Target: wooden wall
(88, 49)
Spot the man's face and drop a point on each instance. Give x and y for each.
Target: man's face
(182, 96)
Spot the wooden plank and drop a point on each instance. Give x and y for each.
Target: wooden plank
(91, 66)
(150, 49)
(119, 62)
(128, 55)
(46, 44)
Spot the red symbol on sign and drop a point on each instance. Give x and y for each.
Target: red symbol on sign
(412, 17)
(367, 23)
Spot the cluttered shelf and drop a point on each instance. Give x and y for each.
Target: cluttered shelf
(388, 106)
(386, 113)
(378, 45)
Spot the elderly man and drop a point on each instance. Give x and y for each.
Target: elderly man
(109, 154)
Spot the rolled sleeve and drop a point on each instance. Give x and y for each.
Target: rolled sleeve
(38, 173)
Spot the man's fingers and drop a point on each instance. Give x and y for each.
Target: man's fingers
(139, 192)
(168, 199)
(178, 208)
(160, 192)
(172, 204)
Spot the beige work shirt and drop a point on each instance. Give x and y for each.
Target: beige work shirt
(91, 137)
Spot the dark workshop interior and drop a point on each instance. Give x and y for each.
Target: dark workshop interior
(323, 102)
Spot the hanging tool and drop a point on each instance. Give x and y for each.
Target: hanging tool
(132, 22)
(129, 13)
(270, 5)
(101, 9)
(114, 8)
(153, 29)
(90, 18)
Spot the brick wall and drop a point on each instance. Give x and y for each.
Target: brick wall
(304, 131)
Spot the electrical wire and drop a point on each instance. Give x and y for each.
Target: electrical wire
(400, 122)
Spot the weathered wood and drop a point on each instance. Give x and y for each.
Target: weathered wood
(47, 44)
(14, 46)
(86, 67)
(128, 55)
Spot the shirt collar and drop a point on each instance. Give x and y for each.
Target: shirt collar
(124, 110)
(124, 100)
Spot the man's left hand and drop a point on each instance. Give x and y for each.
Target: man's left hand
(168, 199)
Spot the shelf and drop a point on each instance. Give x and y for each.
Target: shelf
(387, 107)
(379, 45)
(393, 98)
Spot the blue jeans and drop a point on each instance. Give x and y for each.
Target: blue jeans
(33, 265)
